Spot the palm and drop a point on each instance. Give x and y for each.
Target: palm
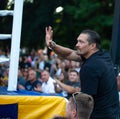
(49, 34)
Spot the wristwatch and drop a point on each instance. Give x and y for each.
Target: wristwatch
(52, 45)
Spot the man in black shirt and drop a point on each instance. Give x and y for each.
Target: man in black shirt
(97, 75)
(32, 83)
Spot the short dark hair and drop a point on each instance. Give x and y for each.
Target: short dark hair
(94, 37)
(83, 103)
(73, 70)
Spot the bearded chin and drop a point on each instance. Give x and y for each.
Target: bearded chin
(81, 54)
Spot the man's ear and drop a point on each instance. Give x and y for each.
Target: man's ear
(74, 113)
(93, 45)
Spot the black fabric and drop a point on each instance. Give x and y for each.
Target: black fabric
(30, 86)
(98, 79)
(115, 44)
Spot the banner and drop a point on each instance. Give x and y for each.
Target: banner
(37, 107)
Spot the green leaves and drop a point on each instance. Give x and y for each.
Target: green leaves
(85, 14)
(76, 16)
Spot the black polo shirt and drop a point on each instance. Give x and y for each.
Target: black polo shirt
(98, 79)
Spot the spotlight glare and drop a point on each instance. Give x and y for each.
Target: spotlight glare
(59, 9)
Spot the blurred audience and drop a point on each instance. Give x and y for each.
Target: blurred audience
(71, 86)
(45, 68)
(32, 83)
(47, 82)
(21, 80)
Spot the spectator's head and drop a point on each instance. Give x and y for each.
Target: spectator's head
(45, 76)
(25, 73)
(80, 106)
(31, 76)
(19, 73)
(73, 76)
(63, 77)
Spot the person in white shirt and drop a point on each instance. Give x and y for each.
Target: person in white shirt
(47, 82)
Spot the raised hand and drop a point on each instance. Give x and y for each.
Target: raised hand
(49, 35)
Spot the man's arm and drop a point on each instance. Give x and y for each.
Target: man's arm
(69, 89)
(38, 88)
(60, 50)
(19, 86)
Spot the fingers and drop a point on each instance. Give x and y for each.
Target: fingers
(49, 35)
(48, 29)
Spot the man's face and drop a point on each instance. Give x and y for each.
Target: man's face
(31, 76)
(73, 76)
(82, 44)
(44, 76)
(69, 111)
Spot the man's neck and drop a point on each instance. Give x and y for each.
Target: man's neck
(90, 53)
(32, 81)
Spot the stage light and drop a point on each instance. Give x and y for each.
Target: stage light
(59, 9)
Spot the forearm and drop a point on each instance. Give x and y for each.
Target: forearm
(69, 89)
(64, 52)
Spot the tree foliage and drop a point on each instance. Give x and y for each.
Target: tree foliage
(85, 14)
(36, 16)
(76, 16)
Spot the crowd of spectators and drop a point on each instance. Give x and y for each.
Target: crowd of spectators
(44, 73)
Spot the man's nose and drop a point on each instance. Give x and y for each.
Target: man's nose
(76, 45)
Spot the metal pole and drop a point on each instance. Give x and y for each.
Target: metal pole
(15, 45)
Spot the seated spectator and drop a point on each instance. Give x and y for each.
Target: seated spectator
(24, 62)
(25, 73)
(63, 77)
(47, 82)
(75, 65)
(72, 86)
(80, 106)
(21, 80)
(1, 80)
(32, 82)
(5, 77)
